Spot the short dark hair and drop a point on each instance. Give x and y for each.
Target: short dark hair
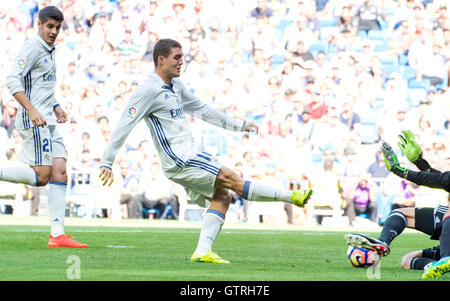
(50, 12)
(164, 47)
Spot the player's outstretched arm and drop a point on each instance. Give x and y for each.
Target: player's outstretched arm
(412, 150)
(435, 179)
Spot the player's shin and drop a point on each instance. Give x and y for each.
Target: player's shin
(19, 174)
(57, 207)
(393, 226)
(211, 226)
(263, 193)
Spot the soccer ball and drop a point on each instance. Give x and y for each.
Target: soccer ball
(362, 258)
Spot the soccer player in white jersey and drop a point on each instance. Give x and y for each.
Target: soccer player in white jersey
(162, 102)
(32, 82)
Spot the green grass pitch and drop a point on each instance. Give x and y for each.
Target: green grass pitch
(160, 251)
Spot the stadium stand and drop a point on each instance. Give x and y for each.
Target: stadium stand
(105, 49)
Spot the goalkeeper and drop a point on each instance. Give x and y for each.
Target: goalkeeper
(397, 221)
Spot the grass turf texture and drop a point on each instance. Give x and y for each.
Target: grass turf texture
(162, 253)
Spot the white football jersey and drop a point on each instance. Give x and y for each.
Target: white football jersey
(163, 108)
(34, 72)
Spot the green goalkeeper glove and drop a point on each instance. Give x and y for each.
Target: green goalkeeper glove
(409, 146)
(391, 161)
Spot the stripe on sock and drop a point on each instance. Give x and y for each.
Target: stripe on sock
(37, 177)
(246, 189)
(216, 212)
(397, 213)
(58, 183)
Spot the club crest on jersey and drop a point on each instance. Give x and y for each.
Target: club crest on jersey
(131, 111)
(21, 62)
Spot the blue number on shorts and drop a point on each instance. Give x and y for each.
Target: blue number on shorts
(47, 145)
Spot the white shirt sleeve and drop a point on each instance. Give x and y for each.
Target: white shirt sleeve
(21, 66)
(137, 108)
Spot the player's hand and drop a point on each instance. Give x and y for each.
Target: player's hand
(36, 118)
(60, 114)
(391, 161)
(409, 146)
(251, 126)
(106, 176)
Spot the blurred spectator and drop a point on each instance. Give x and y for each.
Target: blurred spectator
(317, 106)
(407, 197)
(261, 10)
(326, 187)
(431, 65)
(347, 24)
(362, 200)
(155, 191)
(129, 184)
(377, 169)
(9, 111)
(368, 15)
(298, 31)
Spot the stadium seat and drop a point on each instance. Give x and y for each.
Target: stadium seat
(277, 59)
(377, 35)
(388, 69)
(408, 73)
(378, 104)
(381, 47)
(11, 195)
(327, 29)
(188, 210)
(327, 32)
(444, 84)
(362, 34)
(389, 10)
(316, 47)
(403, 60)
(423, 83)
(282, 27)
(324, 202)
(85, 190)
(328, 23)
(391, 60)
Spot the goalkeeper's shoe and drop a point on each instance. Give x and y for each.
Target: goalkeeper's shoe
(301, 197)
(64, 241)
(357, 240)
(437, 268)
(210, 257)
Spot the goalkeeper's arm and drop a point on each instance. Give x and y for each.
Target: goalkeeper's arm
(435, 179)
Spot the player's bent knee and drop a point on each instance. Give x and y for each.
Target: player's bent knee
(406, 261)
(223, 196)
(43, 180)
(226, 178)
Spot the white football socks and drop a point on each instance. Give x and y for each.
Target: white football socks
(211, 225)
(263, 193)
(19, 174)
(57, 207)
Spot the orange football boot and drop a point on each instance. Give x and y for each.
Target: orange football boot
(64, 241)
